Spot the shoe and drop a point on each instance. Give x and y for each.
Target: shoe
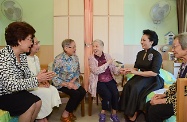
(114, 118)
(138, 114)
(102, 117)
(66, 119)
(72, 116)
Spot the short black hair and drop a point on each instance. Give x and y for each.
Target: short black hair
(152, 36)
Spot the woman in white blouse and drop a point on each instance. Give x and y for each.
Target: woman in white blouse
(47, 93)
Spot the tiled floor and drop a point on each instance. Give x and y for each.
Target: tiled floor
(55, 115)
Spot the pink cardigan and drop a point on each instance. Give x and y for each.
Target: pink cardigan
(95, 71)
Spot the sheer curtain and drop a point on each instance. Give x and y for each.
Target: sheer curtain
(88, 37)
(182, 15)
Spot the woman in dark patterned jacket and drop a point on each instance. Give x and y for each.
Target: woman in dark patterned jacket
(163, 106)
(15, 76)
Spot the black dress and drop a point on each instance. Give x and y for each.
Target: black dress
(133, 97)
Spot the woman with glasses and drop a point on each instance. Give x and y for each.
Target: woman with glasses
(15, 76)
(67, 69)
(46, 92)
(163, 106)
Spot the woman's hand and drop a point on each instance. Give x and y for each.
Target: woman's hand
(158, 101)
(44, 84)
(158, 96)
(132, 71)
(124, 71)
(110, 61)
(45, 76)
(71, 85)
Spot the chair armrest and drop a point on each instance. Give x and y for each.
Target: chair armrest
(181, 103)
(124, 80)
(81, 80)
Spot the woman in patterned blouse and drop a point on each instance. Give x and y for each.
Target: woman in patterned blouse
(163, 106)
(66, 67)
(15, 76)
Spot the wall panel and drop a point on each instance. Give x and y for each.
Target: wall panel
(116, 7)
(60, 7)
(100, 30)
(116, 46)
(76, 32)
(100, 7)
(76, 7)
(60, 33)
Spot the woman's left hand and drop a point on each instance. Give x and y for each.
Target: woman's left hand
(72, 86)
(157, 101)
(44, 84)
(132, 71)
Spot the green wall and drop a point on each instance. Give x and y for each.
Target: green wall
(38, 13)
(137, 18)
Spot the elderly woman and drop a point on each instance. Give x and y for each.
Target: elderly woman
(15, 75)
(102, 81)
(67, 69)
(163, 106)
(46, 92)
(146, 77)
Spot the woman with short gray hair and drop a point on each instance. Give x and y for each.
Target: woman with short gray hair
(163, 106)
(102, 81)
(67, 69)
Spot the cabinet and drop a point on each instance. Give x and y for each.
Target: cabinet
(171, 67)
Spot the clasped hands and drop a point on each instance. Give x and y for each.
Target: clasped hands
(158, 99)
(70, 85)
(125, 71)
(43, 77)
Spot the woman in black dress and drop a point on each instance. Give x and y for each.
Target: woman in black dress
(146, 77)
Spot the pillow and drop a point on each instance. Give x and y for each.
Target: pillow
(129, 76)
(169, 78)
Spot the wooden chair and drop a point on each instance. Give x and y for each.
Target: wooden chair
(63, 95)
(181, 100)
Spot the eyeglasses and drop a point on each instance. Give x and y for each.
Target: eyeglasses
(36, 43)
(74, 47)
(174, 46)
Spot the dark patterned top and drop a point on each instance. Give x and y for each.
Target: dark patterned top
(14, 76)
(171, 92)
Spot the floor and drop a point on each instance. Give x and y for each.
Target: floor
(55, 115)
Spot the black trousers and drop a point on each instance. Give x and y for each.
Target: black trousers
(159, 112)
(109, 93)
(76, 97)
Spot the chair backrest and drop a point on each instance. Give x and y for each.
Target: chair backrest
(181, 100)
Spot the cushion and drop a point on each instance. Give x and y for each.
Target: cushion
(5, 117)
(169, 79)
